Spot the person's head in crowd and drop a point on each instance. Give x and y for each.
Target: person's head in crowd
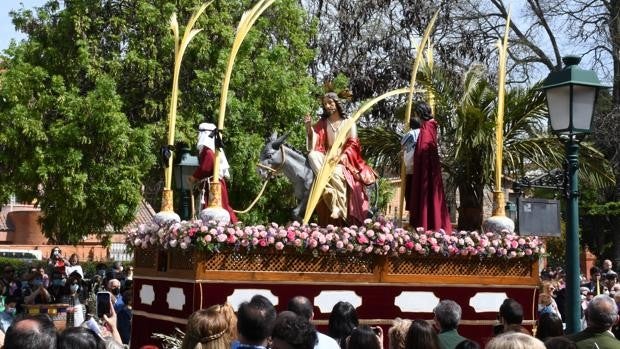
(128, 298)
(209, 328)
(101, 270)
(589, 296)
(560, 343)
(549, 325)
(595, 273)
(511, 312)
(301, 306)
(55, 253)
(74, 260)
(342, 320)
(10, 305)
(447, 315)
(515, 340)
(32, 332)
(80, 338)
(549, 287)
(397, 334)
(363, 337)
(292, 331)
(117, 267)
(601, 314)
(607, 265)
(114, 287)
(73, 286)
(421, 335)
(467, 344)
(8, 273)
(255, 320)
(611, 279)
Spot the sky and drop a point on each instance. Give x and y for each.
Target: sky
(7, 30)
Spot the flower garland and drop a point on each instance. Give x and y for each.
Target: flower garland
(374, 237)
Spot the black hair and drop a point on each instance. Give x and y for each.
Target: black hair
(295, 330)
(421, 335)
(301, 306)
(79, 338)
(363, 337)
(255, 319)
(414, 123)
(40, 335)
(549, 325)
(424, 111)
(511, 311)
(342, 320)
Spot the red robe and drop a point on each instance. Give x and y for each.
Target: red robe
(427, 202)
(206, 161)
(357, 199)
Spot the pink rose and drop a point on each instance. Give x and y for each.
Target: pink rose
(361, 239)
(290, 235)
(279, 245)
(409, 245)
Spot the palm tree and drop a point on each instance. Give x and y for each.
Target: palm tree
(466, 114)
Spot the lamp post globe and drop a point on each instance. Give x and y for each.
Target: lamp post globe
(571, 97)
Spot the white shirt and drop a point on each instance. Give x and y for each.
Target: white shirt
(325, 342)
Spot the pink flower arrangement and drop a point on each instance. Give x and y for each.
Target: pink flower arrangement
(373, 237)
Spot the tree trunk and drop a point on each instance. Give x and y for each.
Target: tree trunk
(470, 208)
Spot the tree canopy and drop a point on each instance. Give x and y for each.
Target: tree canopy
(87, 95)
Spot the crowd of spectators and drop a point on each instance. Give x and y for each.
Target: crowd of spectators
(256, 325)
(62, 283)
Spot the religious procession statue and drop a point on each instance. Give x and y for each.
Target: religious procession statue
(425, 198)
(345, 193)
(206, 160)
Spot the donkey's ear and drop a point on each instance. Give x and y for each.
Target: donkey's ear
(278, 142)
(274, 136)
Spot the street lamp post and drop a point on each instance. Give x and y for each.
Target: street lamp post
(185, 168)
(571, 97)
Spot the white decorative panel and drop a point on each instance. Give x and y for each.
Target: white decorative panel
(147, 294)
(326, 300)
(244, 295)
(416, 301)
(175, 298)
(484, 302)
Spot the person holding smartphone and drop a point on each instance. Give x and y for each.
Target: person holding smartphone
(37, 293)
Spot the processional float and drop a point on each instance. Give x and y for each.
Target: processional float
(383, 270)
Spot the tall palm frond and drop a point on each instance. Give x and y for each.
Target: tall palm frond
(381, 146)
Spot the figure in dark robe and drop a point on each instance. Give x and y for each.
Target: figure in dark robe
(426, 199)
(206, 159)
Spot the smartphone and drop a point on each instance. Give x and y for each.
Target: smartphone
(103, 304)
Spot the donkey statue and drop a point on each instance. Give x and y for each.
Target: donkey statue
(276, 157)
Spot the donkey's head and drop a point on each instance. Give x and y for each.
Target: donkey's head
(271, 156)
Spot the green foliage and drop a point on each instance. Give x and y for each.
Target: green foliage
(87, 98)
(606, 209)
